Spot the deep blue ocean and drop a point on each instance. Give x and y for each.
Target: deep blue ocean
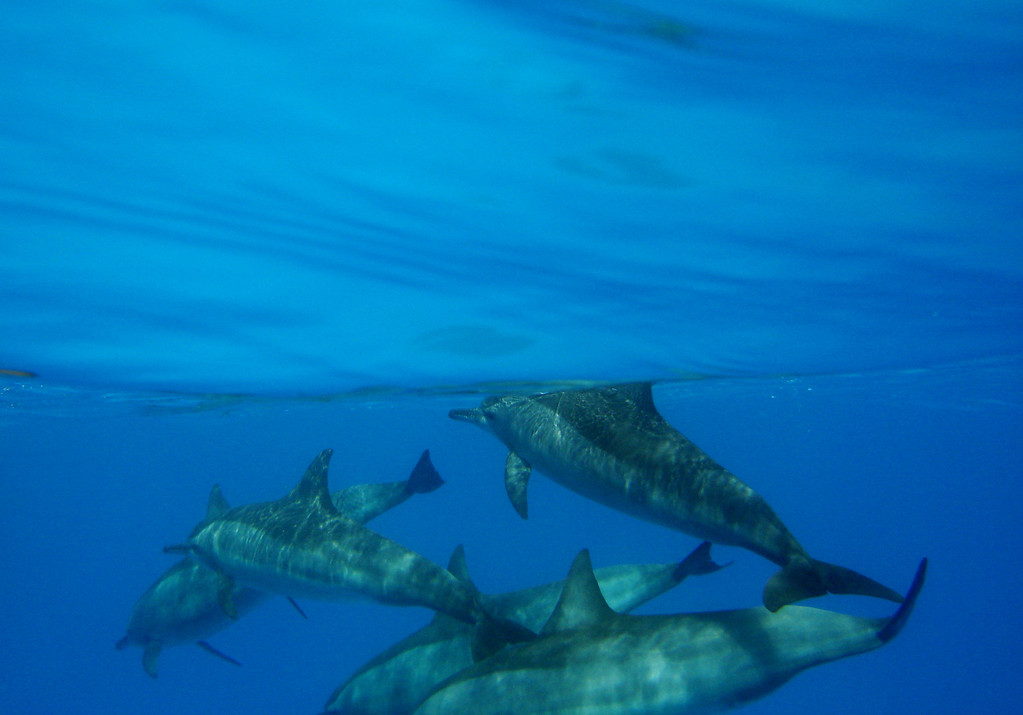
(234, 234)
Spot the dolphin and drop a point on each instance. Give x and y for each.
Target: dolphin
(365, 502)
(612, 445)
(301, 546)
(182, 607)
(590, 659)
(398, 679)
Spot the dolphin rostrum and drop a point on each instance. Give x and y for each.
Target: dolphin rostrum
(301, 546)
(398, 679)
(181, 607)
(612, 445)
(589, 659)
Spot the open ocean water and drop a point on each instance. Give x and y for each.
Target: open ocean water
(234, 234)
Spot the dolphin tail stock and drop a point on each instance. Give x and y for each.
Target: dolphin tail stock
(894, 624)
(697, 563)
(424, 477)
(802, 579)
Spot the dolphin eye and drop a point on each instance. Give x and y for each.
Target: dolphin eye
(490, 402)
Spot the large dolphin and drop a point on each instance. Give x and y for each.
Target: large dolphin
(399, 678)
(182, 607)
(301, 546)
(589, 659)
(612, 445)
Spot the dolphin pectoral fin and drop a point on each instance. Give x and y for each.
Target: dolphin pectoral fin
(838, 579)
(516, 480)
(896, 622)
(297, 607)
(150, 655)
(213, 651)
(225, 597)
(795, 582)
(698, 563)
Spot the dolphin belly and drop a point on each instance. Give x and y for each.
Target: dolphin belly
(712, 505)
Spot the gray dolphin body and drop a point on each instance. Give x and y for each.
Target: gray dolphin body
(592, 660)
(612, 445)
(301, 546)
(399, 678)
(182, 606)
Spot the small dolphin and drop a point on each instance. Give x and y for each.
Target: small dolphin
(399, 678)
(610, 444)
(589, 659)
(301, 546)
(365, 502)
(182, 607)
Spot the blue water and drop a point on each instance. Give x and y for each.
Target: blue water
(234, 234)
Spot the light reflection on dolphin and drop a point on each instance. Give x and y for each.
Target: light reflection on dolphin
(589, 659)
(397, 680)
(181, 607)
(610, 444)
(301, 546)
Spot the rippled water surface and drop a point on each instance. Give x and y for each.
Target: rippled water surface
(233, 235)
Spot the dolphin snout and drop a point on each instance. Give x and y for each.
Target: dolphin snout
(474, 415)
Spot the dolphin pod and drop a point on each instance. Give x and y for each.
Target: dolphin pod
(590, 659)
(302, 546)
(182, 605)
(398, 679)
(612, 445)
(563, 648)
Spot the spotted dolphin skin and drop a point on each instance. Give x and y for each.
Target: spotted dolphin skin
(399, 678)
(182, 607)
(301, 546)
(589, 659)
(610, 444)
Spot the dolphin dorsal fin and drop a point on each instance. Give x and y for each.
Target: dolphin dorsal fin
(457, 566)
(581, 603)
(217, 504)
(313, 487)
(640, 394)
(458, 569)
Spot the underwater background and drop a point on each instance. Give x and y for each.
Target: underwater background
(235, 234)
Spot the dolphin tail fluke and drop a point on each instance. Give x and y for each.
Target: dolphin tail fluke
(697, 563)
(800, 580)
(424, 477)
(491, 634)
(896, 622)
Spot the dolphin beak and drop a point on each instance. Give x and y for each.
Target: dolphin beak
(474, 415)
